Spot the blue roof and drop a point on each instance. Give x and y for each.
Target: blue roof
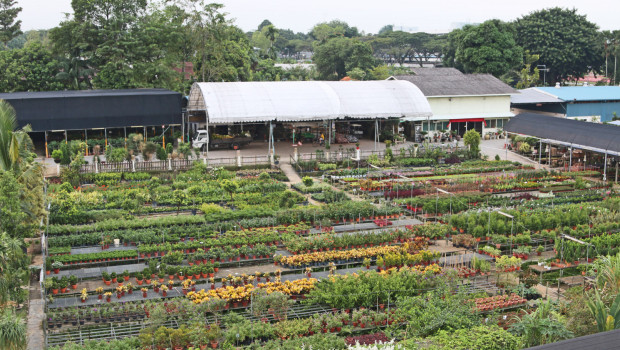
(583, 93)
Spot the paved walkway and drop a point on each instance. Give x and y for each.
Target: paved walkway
(36, 315)
(492, 148)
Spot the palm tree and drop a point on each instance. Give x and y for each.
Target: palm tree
(75, 72)
(271, 35)
(16, 156)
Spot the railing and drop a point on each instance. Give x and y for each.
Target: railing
(168, 165)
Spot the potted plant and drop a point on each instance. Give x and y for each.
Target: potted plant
(164, 290)
(113, 277)
(126, 275)
(84, 295)
(73, 281)
(48, 267)
(56, 266)
(108, 296)
(57, 155)
(539, 250)
(213, 334)
(99, 291)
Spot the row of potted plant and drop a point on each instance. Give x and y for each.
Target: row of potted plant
(498, 302)
(322, 258)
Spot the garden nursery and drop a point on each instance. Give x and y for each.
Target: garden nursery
(410, 249)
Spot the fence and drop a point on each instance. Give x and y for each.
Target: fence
(169, 164)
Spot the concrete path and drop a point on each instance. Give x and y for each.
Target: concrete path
(492, 148)
(36, 315)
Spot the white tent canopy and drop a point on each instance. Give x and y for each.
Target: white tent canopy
(245, 102)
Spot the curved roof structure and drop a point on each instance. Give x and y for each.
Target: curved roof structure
(591, 136)
(226, 103)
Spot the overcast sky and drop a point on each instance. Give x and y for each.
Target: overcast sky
(368, 16)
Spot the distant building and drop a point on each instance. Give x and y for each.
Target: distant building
(460, 101)
(591, 103)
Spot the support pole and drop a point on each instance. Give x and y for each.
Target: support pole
(549, 145)
(540, 152)
(86, 140)
(605, 168)
(144, 133)
(376, 133)
(105, 131)
(570, 162)
(46, 150)
(66, 137)
(616, 170)
(270, 153)
(163, 137)
(125, 129)
(506, 145)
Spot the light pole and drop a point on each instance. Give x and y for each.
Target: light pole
(512, 225)
(544, 70)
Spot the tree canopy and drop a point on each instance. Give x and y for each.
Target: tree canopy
(486, 48)
(567, 43)
(9, 27)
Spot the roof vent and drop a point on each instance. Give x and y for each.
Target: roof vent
(557, 85)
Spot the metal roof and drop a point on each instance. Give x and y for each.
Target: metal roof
(89, 109)
(436, 82)
(532, 96)
(598, 341)
(226, 103)
(591, 136)
(489, 115)
(583, 93)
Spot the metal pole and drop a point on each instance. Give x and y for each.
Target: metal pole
(506, 145)
(570, 162)
(46, 150)
(376, 133)
(605, 168)
(105, 131)
(540, 152)
(66, 137)
(86, 140)
(125, 130)
(549, 155)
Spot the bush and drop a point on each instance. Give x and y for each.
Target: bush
(161, 153)
(116, 155)
(308, 181)
(57, 154)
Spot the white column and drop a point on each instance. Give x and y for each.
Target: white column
(570, 161)
(605, 168)
(169, 164)
(239, 158)
(133, 165)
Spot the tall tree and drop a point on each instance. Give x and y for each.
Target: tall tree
(9, 27)
(222, 50)
(337, 56)
(486, 48)
(32, 68)
(568, 44)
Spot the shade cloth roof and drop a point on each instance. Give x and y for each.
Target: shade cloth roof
(226, 103)
(592, 136)
(89, 109)
(598, 341)
(531, 96)
(583, 93)
(436, 82)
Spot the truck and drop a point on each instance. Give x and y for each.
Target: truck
(216, 141)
